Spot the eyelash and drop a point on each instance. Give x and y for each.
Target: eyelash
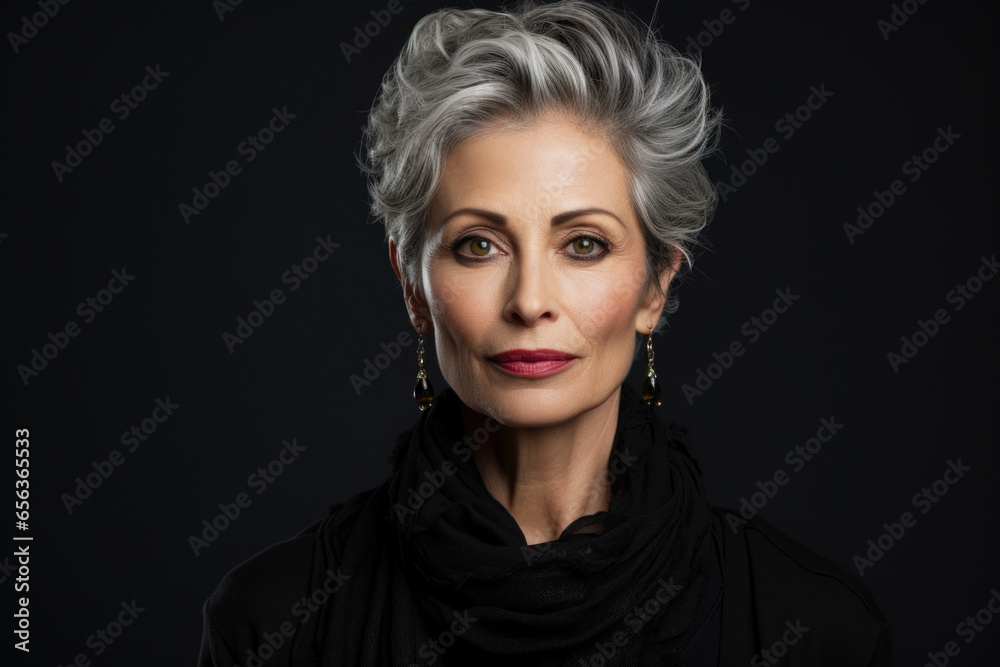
(576, 256)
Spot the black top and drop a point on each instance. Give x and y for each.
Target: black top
(430, 568)
(703, 649)
(766, 597)
(783, 601)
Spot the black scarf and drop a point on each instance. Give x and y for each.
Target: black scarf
(439, 572)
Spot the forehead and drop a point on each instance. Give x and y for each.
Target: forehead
(524, 167)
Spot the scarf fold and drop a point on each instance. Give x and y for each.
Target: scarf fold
(440, 572)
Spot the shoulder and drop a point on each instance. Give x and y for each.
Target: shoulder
(258, 584)
(774, 554)
(275, 594)
(792, 594)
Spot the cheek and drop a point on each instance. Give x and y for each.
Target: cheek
(604, 307)
(629, 284)
(461, 305)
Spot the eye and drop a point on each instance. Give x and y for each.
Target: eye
(477, 246)
(587, 247)
(584, 248)
(480, 247)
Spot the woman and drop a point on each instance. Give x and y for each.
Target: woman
(539, 174)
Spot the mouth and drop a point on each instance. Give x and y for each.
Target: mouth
(532, 363)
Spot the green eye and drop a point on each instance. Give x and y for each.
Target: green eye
(480, 247)
(584, 248)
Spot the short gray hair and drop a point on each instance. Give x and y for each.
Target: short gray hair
(463, 70)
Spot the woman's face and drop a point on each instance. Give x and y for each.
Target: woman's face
(532, 244)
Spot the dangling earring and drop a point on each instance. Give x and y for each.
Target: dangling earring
(423, 391)
(651, 389)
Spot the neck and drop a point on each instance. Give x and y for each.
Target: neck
(549, 476)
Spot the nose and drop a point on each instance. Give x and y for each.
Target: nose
(532, 287)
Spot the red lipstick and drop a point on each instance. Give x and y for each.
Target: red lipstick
(532, 363)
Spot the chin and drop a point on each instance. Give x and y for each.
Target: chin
(532, 406)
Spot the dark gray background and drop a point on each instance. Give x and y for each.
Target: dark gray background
(162, 336)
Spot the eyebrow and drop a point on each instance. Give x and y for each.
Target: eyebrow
(556, 219)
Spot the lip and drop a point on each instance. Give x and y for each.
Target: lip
(531, 356)
(532, 363)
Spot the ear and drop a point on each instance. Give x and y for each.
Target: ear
(416, 304)
(652, 306)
